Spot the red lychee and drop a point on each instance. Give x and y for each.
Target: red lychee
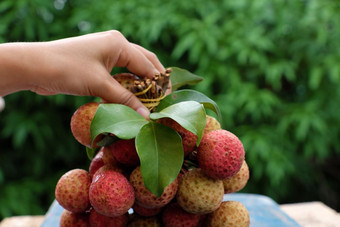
(81, 123)
(125, 152)
(220, 154)
(72, 190)
(108, 157)
(146, 198)
(105, 168)
(98, 220)
(189, 139)
(174, 216)
(111, 194)
(146, 212)
(140, 221)
(96, 163)
(70, 219)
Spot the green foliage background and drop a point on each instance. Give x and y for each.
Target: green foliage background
(272, 66)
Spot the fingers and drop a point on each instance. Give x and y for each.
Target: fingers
(136, 62)
(112, 92)
(152, 57)
(135, 58)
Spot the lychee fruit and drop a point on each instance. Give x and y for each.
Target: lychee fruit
(125, 152)
(96, 163)
(220, 154)
(146, 212)
(99, 220)
(198, 193)
(108, 157)
(189, 139)
(237, 181)
(70, 219)
(211, 124)
(111, 194)
(230, 213)
(140, 221)
(174, 216)
(107, 167)
(104, 157)
(72, 190)
(146, 198)
(81, 123)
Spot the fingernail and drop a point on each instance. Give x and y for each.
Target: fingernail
(144, 112)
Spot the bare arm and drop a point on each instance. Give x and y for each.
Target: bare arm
(77, 66)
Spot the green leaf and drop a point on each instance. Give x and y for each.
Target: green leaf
(120, 120)
(190, 95)
(91, 152)
(180, 77)
(189, 114)
(107, 140)
(161, 156)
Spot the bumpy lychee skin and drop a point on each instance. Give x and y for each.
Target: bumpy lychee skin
(220, 154)
(70, 219)
(189, 139)
(98, 220)
(125, 152)
(105, 168)
(104, 157)
(238, 181)
(96, 163)
(211, 124)
(72, 190)
(108, 157)
(230, 213)
(81, 122)
(146, 212)
(140, 221)
(198, 193)
(111, 194)
(146, 198)
(175, 216)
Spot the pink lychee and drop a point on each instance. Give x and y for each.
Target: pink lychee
(189, 139)
(146, 198)
(125, 152)
(81, 123)
(72, 190)
(174, 216)
(111, 194)
(70, 219)
(146, 212)
(99, 220)
(220, 154)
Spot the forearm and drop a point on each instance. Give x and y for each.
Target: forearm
(21, 65)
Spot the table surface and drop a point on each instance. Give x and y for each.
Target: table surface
(309, 214)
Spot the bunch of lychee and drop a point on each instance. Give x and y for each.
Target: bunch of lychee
(112, 191)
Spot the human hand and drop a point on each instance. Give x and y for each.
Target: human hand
(79, 66)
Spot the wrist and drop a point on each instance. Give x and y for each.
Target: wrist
(21, 67)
